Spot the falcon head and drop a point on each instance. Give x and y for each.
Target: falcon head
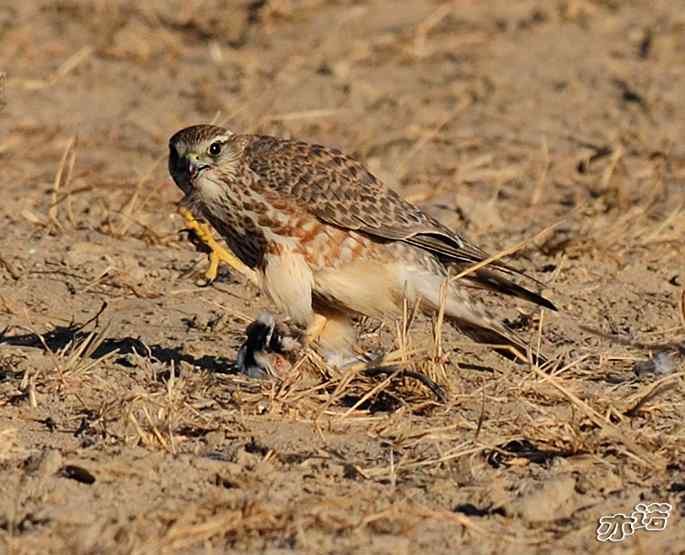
(199, 155)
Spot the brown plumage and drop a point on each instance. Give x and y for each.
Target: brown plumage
(327, 240)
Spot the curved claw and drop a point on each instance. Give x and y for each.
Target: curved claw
(202, 238)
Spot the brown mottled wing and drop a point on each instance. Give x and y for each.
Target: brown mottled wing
(340, 191)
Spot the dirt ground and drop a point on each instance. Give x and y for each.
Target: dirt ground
(124, 429)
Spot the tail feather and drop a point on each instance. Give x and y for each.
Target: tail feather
(500, 284)
(471, 317)
(503, 340)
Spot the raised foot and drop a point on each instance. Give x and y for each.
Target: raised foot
(201, 236)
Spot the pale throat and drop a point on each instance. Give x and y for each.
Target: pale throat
(211, 191)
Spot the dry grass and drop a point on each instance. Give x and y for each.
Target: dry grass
(188, 457)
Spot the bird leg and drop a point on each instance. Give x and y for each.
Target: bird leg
(205, 241)
(335, 334)
(315, 328)
(268, 352)
(268, 349)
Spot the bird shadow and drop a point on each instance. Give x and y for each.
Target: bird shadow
(61, 337)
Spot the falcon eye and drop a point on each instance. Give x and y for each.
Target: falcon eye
(215, 148)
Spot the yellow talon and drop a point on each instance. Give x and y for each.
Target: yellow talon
(217, 253)
(315, 328)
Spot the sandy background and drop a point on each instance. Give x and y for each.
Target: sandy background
(128, 433)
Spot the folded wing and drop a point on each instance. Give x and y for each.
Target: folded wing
(342, 192)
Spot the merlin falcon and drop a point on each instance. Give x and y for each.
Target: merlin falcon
(327, 241)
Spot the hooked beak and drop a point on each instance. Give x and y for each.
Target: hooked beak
(195, 166)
